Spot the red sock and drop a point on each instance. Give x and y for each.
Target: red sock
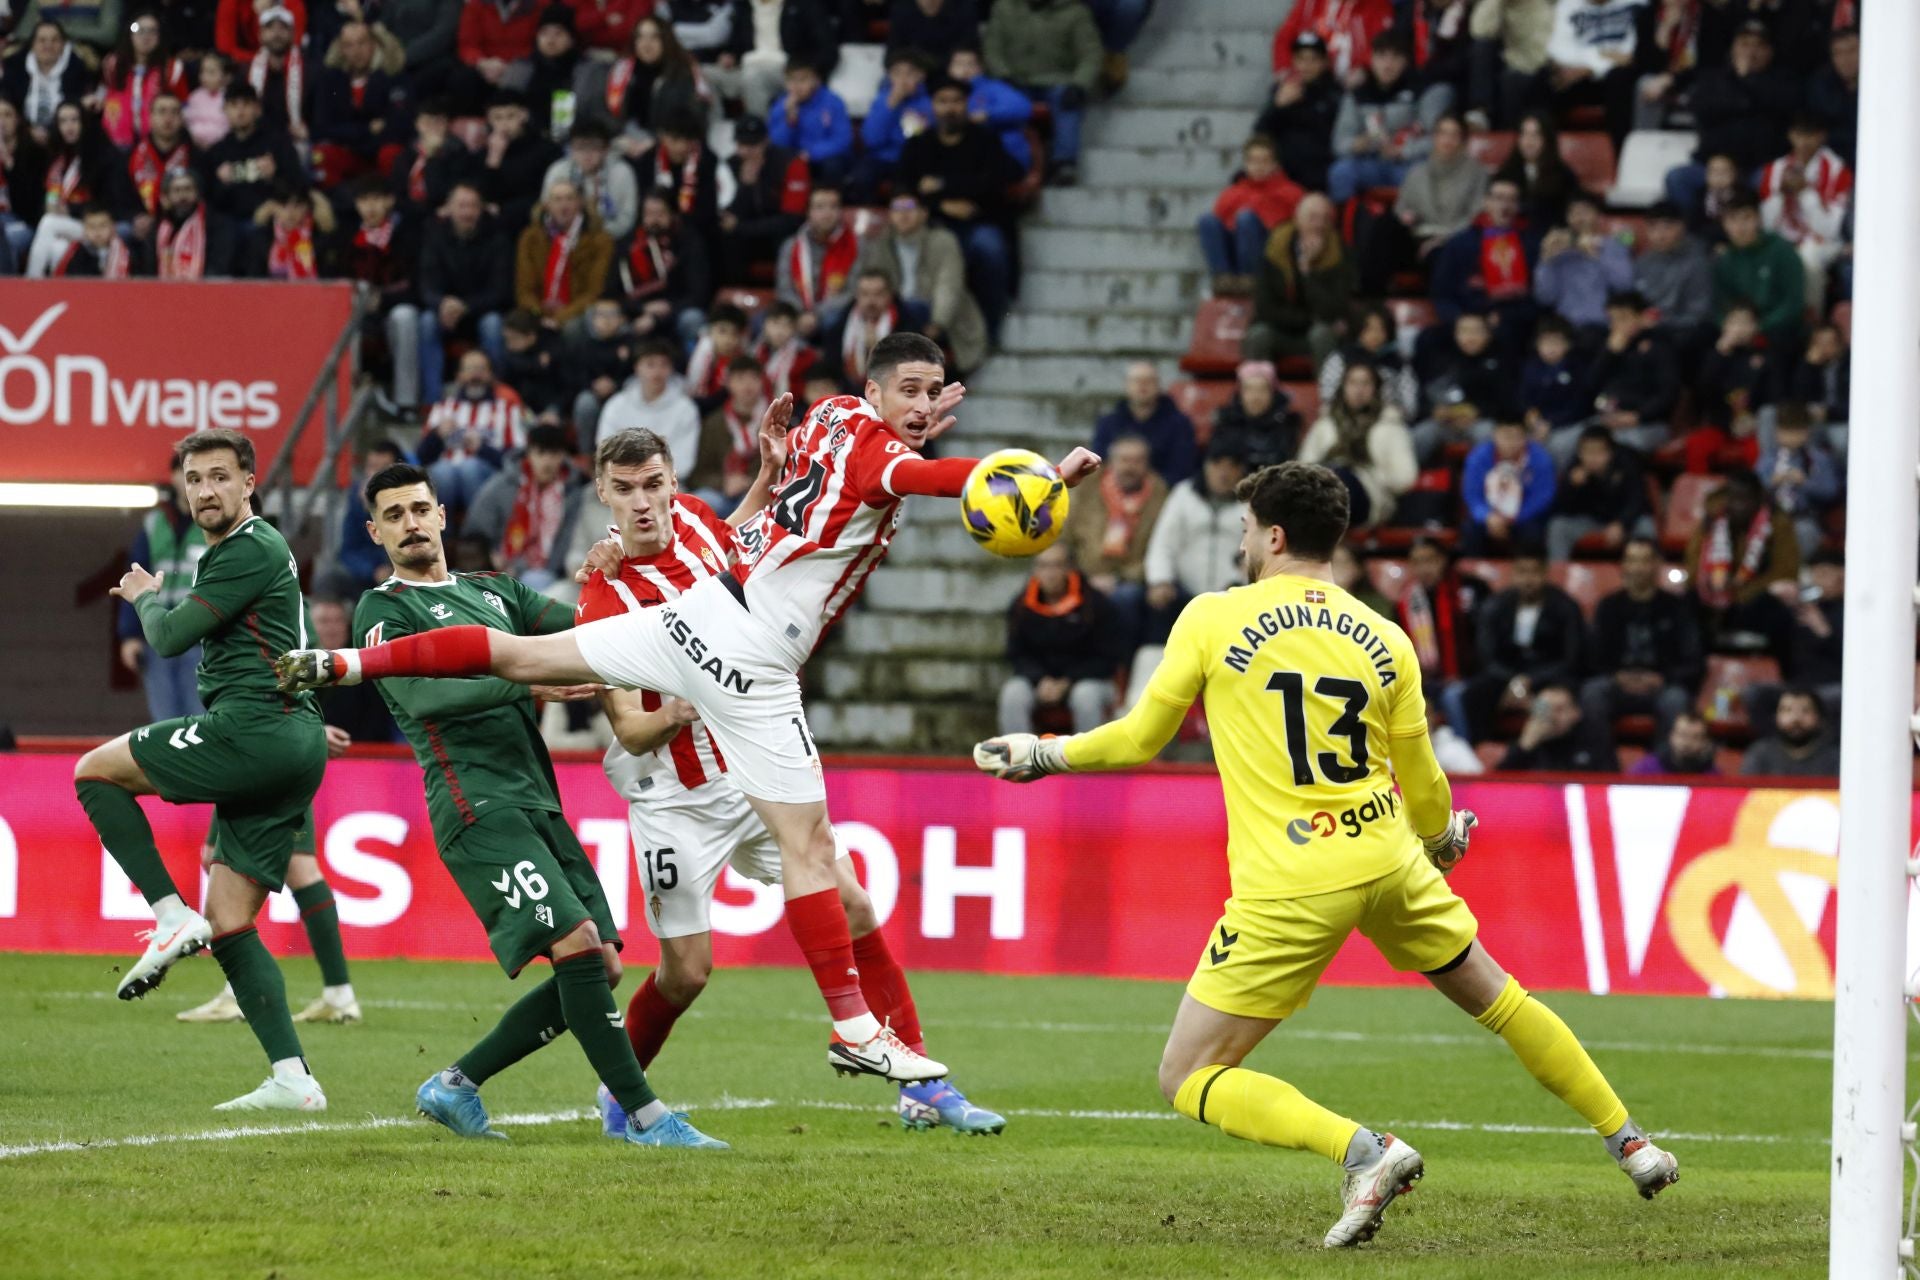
(650, 1018)
(819, 925)
(884, 983)
(444, 651)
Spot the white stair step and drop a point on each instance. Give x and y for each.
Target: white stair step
(989, 421)
(1264, 15)
(985, 587)
(1094, 208)
(903, 726)
(1127, 126)
(1151, 87)
(909, 635)
(1036, 332)
(1158, 168)
(1086, 375)
(1060, 248)
(1165, 292)
(1223, 46)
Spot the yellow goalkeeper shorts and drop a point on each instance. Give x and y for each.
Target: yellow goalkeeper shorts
(1264, 958)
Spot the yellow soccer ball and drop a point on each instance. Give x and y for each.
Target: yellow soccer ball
(1015, 503)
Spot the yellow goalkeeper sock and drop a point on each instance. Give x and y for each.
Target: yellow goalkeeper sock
(1548, 1048)
(1246, 1104)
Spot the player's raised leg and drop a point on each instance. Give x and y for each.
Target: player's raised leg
(1553, 1055)
(106, 780)
(470, 650)
(884, 984)
(1201, 1075)
(233, 903)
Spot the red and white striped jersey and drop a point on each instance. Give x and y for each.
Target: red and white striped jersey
(703, 546)
(828, 525)
(499, 420)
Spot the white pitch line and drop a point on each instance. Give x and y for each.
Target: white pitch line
(1142, 1028)
(536, 1119)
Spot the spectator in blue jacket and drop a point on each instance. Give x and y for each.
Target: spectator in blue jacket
(1508, 484)
(811, 119)
(901, 108)
(994, 103)
(1149, 412)
(1581, 267)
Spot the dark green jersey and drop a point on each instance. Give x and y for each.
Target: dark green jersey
(479, 739)
(244, 609)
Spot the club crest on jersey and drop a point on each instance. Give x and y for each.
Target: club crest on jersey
(495, 601)
(706, 556)
(440, 611)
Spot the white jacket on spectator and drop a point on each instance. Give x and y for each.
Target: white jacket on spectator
(1520, 27)
(1390, 469)
(673, 417)
(1584, 32)
(1196, 542)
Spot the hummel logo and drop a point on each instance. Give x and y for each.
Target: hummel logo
(615, 1021)
(1221, 952)
(182, 738)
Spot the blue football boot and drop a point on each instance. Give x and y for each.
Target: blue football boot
(937, 1102)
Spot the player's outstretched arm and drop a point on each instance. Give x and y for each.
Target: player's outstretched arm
(1132, 740)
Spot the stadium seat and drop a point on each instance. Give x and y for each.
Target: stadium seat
(857, 78)
(1686, 502)
(1644, 161)
(1490, 149)
(1497, 574)
(1198, 400)
(1722, 692)
(1590, 156)
(1587, 583)
(1389, 577)
(1306, 400)
(1218, 326)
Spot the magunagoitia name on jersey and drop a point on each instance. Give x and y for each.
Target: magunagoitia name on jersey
(1271, 622)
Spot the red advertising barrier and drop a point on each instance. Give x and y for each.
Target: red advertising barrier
(98, 379)
(1591, 886)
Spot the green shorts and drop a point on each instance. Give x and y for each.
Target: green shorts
(257, 767)
(525, 875)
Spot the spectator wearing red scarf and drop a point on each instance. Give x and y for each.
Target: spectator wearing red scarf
(680, 165)
(1346, 26)
(560, 268)
(1061, 645)
(1743, 549)
(1108, 528)
(384, 255)
(166, 149)
(358, 119)
(292, 223)
(1488, 267)
(730, 438)
(664, 279)
(1439, 611)
(137, 72)
(526, 513)
(814, 268)
(237, 23)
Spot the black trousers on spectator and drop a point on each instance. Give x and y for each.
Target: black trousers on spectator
(1481, 698)
(1612, 92)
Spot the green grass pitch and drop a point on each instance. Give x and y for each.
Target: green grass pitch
(1094, 1176)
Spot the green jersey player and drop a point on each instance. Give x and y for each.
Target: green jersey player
(495, 809)
(255, 754)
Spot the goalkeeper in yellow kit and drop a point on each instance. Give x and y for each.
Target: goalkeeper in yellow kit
(1314, 704)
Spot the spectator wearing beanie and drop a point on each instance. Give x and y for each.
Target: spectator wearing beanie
(1060, 644)
(1051, 51)
(552, 73)
(1148, 412)
(561, 262)
(1299, 118)
(770, 187)
(1233, 234)
(606, 185)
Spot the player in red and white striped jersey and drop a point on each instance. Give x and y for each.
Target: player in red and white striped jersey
(689, 821)
(734, 651)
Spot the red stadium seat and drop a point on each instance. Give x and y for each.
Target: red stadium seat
(1590, 156)
(1306, 399)
(1686, 503)
(1198, 400)
(1587, 583)
(1497, 574)
(1490, 149)
(1217, 329)
(1722, 692)
(1395, 539)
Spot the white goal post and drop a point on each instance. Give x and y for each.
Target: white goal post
(1870, 978)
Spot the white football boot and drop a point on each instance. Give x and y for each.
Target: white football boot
(222, 1008)
(181, 935)
(1367, 1194)
(325, 1010)
(1651, 1169)
(277, 1093)
(886, 1056)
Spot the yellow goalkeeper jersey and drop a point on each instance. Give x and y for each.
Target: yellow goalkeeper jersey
(1306, 690)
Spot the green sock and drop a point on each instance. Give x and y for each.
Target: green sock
(124, 830)
(534, 1020)
(260, 989)
(595, 1021)
(322, 921)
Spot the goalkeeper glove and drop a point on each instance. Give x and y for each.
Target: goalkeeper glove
(1446, 849)
(1021, 757)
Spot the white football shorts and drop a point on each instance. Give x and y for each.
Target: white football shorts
(707, 648)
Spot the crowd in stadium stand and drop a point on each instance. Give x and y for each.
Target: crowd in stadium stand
(577, 216)
(1595, 458)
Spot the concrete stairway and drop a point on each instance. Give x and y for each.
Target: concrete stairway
(1112, 275)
